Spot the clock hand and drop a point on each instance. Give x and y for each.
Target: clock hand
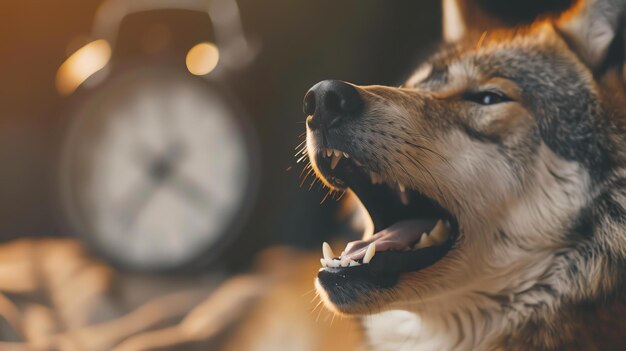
(159, 170)
(190, 190)
(175, 152)
(135, 203)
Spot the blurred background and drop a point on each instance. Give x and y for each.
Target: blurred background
(151, 194)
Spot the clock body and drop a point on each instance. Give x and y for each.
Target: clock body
(159, 169)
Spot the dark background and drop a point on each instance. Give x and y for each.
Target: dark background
(365, 42)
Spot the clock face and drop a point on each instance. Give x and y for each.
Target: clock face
(157, 169)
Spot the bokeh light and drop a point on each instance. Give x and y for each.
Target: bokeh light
(202, 58)
(81, 65)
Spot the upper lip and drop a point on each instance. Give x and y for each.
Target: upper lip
(329, 158)
(387, 201)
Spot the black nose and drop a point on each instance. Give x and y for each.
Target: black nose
(330, 102)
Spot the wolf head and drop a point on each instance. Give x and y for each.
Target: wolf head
(494, 178)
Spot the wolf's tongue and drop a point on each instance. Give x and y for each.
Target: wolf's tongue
(399, 236)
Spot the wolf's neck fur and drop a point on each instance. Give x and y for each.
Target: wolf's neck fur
(529, 288)
(580, 327)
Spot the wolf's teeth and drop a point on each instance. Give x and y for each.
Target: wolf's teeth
(334, 161)
(345, 154)
(401, 187)
(369, 254)
(357, 163)
(353, 263)
(428, 241)
(404, 198)
(376, 178)
(323, 262)
(329, 152)
(327, 251)
(439, 233)
(345, 262)
(337, 153)
(425, 241)
(420, 243)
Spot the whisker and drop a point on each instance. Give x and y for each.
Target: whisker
(301, 144)
(306, 177)
(420, 166)
(330, 191)
(316, 307)
(421, 147)
(319, 312)
(309, 292)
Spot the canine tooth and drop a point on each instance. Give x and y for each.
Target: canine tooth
(345, 154)
(425, 241)
(334, 161)
(419, 245)
(345, 262)
(401, 187)
(369, 254)
(439, 233)
(337, 153)
(327, 251)
(353, 263)
(404, 198)
(329, 152)
(323, 262)
(375, 178)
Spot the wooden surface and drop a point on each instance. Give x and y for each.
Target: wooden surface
(54, 296)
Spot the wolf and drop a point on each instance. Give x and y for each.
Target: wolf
(494, 180)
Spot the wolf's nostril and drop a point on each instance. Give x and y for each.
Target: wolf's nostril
(331, 101)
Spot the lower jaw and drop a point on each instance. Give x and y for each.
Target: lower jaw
(358, 290)
(359, 300)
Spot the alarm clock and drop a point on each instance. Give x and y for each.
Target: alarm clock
(159, 165)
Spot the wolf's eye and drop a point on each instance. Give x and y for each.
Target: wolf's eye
(487, 98)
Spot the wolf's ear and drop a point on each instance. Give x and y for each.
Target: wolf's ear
(591, 27)
(463, 16)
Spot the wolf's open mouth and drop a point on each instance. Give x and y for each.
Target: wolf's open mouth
(412, 231)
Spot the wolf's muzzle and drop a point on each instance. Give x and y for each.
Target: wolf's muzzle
(330, 102)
